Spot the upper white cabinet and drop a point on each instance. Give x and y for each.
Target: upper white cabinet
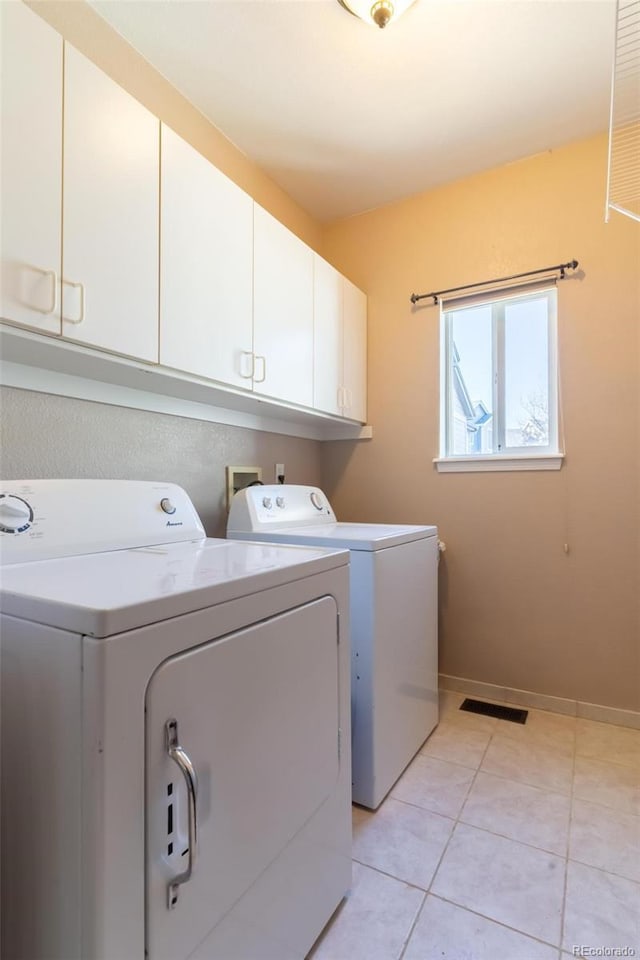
(31, 168)
(327, 337)
(282, 312)
(354, 316)
(119, 236)
(340, 344)
(110, 214)
(206, 268)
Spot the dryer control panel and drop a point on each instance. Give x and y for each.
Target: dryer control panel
(41, 519)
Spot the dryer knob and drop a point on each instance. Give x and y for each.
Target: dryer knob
(279, 501)
(266, 502)
(316, 500)
(16, 514)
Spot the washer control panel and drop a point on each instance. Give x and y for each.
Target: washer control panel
(278, 506)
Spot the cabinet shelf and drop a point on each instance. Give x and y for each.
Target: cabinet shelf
(31, 361)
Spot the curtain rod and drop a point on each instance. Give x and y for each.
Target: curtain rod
(483, 283)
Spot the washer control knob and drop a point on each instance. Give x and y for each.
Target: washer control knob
(167, 505)
(266, 502)
(280, 502)
(16, 514)
(316, 500)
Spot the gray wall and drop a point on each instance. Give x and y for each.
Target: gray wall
(44, 436)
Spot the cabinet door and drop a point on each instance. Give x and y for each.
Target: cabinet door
(257, 714)
(327, 337)
(206, 267)
(355, 352)
(31, 168)
(110, 214)
(282, 312)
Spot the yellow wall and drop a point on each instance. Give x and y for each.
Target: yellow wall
(80, 25)
(515, 610)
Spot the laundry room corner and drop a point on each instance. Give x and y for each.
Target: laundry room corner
(541, 568)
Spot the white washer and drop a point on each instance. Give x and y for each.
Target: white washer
(394, 622)
(173, 786)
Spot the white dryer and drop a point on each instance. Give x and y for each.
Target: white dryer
(175, 731)
(394, 622)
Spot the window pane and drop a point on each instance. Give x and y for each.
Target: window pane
(471, 381)
(527, 373)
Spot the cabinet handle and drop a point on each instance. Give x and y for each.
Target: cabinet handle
(341, 398)
(54, 293)
(248, 376)
(264, 369)
(348, 398)
(187, 769)
(79, 286)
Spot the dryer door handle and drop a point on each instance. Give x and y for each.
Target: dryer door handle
(188, 771)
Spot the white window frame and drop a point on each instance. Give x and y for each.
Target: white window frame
(523, 457)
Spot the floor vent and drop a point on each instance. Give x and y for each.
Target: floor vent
(495, 710)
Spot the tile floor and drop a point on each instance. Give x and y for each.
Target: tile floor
(499, 842)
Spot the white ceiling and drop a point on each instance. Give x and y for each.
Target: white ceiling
(346, 117)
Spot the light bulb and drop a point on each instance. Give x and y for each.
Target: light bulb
(377, 13)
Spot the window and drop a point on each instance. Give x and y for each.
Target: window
(499, 399)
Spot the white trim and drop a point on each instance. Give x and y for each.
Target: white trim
(31, 361)
(498, 373)
(499, 461)
(627, 213)
(542, 701)
(612, 102)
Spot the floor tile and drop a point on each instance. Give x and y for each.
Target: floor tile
(457, 743)
(520, 812)
(447, 932)
(549, 729)
(503, 880)
(601, 910)
(610, 784)
(529, 762)
(498, 888)
(435, 785)
(605, 838)
(604, 741)
(373, 923)
(402, 840)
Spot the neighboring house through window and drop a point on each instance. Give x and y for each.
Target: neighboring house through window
(471, 420)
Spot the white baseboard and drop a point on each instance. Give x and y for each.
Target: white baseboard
(541, 701)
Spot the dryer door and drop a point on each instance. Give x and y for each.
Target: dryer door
(255, 714)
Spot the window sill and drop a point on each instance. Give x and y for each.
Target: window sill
(495, 462)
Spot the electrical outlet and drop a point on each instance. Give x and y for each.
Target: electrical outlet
(279, 468)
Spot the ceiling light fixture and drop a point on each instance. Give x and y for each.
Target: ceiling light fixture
(379, 12)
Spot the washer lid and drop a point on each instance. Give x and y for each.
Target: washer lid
(350, 536)
(107, 593)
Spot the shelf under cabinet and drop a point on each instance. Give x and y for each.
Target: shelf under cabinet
(31, 361)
